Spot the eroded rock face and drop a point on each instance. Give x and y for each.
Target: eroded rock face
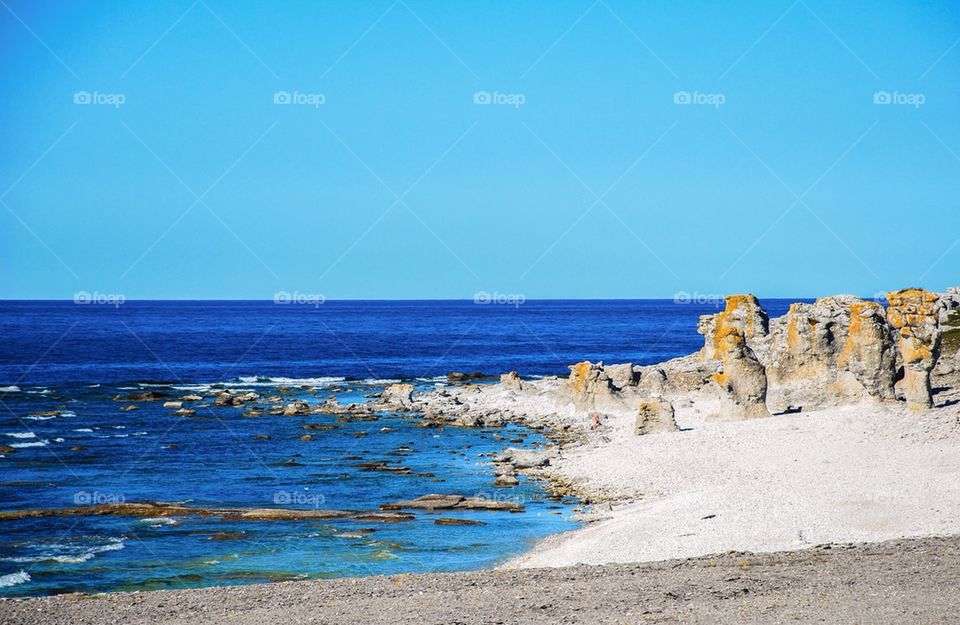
(742, 377)
(591, 386)
(915, 313)
(655, 415)
(837, 350)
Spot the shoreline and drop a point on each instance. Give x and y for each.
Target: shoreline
(908, 580)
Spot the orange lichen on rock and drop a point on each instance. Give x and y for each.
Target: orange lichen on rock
(915, 313)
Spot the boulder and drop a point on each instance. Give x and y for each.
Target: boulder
(655, 415)
(172, 404)
(296, 407)
(915, 314)
(511, 380)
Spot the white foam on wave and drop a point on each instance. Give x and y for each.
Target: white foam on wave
(21, 434)
(40, 443)
(9, 389)
(158, 521)
(282, 381)
(14, 578)
(45, 391)
(68, 554)
(41, 417)
(83, 430)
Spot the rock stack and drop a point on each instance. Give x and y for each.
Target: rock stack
(915, 313)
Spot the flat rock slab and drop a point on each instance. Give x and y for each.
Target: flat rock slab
(453, 502)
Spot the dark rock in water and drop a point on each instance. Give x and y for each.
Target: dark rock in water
(380, 465)
(129, 408)
(291, 463)
(261, 437)
(448, 521)
(191, 398)
(506, 480)
(460, 376)
(426, 502)
(384, 517)
(307, 438)
(6, 449)
(449, 502)
(147, 396)
(319, 426)
(229, 536)
(185, 412)
(76, 448)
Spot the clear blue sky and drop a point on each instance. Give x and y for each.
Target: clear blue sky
(592, 183)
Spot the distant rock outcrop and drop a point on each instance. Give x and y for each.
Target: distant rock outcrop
(915, 313)
(511, 380)
(742, 377)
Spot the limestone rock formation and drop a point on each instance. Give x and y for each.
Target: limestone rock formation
(398, 396)
(837, 350)
(742, 378)
(511, 380)
(655, 415)
(592, 388)
(621, 376)
(915, 313)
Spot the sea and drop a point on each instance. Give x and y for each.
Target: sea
(66, 367)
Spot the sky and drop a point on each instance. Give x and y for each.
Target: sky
(414, 149)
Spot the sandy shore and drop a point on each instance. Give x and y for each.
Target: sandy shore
(847, 474)
(906, 581)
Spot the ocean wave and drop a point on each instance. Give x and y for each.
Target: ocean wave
(9, 389)
(21, 434)
(282, 381)
(158, 521)
(40, 443)
(67, 554)
(83, 430)
(14, 578)
(41, 417)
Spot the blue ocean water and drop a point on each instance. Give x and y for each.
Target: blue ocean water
(62, 364)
